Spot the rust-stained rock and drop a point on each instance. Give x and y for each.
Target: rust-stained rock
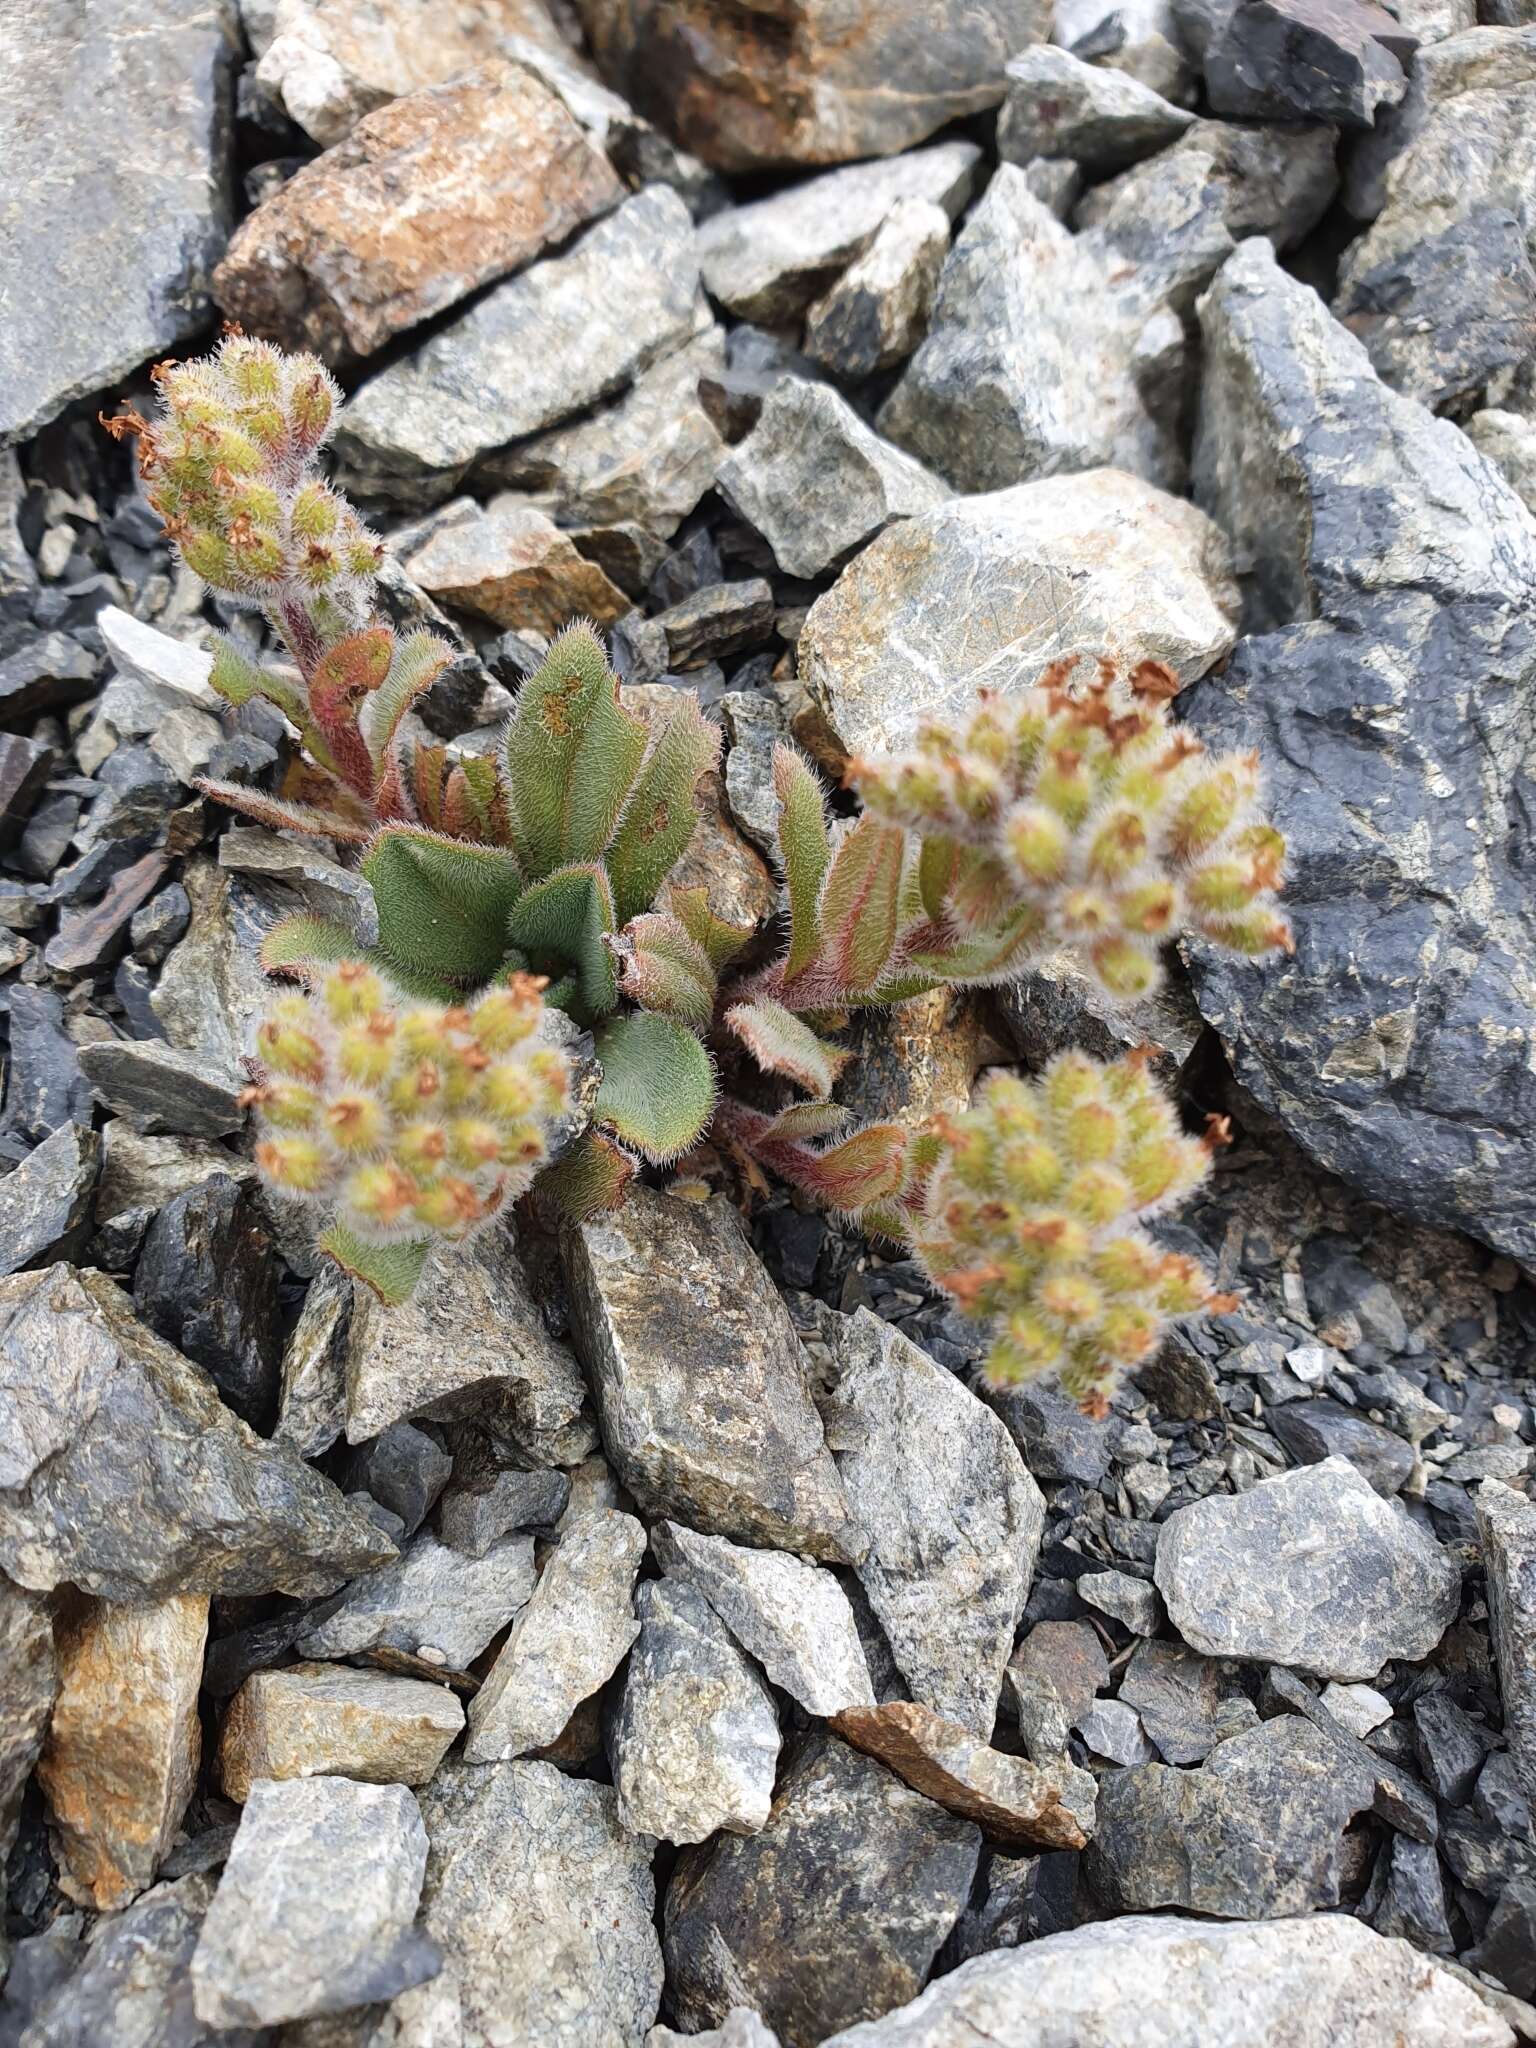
(426, 199)
(513, 565)
(808, 81)
(327, 1720)
(916, 1060)
(1042, 1806)
(122, 1752)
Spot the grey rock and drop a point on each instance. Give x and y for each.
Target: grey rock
(1057, 1439)
(1407, 1896)
(985, 591)
(117, 111)
(793, 1617)
(1015, 1899)
(327, 888)
(1507, 1950)
(1112, 1729)
(1254, 1834)
(1450, 1745)
(18, 572)
(47, 672)
(315, 1910)
(44, 1087)
(1059, 1665)
(1369, 1047)
(433, 1604)
(694, 1742)
(1056, 182)
(766, 261)
(877, 312)
(206, 1282)
(45, 1205)
(1509, 442)
(162, 1090)
(1142, 38)
(1241, 1575)
(716, 620)
(1397, 1799)
(24, 769)
(139, 1172)
(702, 1388)
(1187, 1703)
(1498, 1798)
(1128, 1599)
(746, 1919)
(1306, 60)
(754, 725)
(403, 1469)
(132, 1985)
(327, 1720)
(1357, 1708)
(1314, 1430)
(816, 483)
(542, 1904)
(1322, 1982)
(470, 1340)
(741, 2028)
(1059, 106)
(29, 1683)
(1274, 180)
(567, 1642)
(486, 1500)
(549, 342)
(312, 1400)
(161, 923)
(1506, 1523)
(954, 1517)
(127, 1476)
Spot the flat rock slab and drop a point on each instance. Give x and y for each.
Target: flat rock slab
(1017, 1803)
(433, 1603)
(327, 1720)
(793, 1617)
(124, 1474)
(833, 1913)
(124, 1742)
(1057, 105)
(426, 199)
(567, 1642)
(954, 1517)
(694, 1743)
(1506, 1523)
(702, 1387)
(1324, 1982)
(987, 590)
(512, 565)
(542, 1904)
(1307, 60)
(45, 1204)
(1313, 1569)
(113, 110)
(316, 1909)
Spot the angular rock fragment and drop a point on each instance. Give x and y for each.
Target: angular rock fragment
(45, 1205)
(486, 1500)
(1128, 1599)
(1255, 1834)
(1312, 1568)
(1052, 1679)
(1509, 442)
(1274, 181)
(1187, 1703)
(1059, 106)
(531, 352)
(425, 200)
(792, 1617)
(125, 1475)
(327, 1720)
(985, 591)
(747, 1919)
(432, 1604)
(316, 1908)
(44, 1087)
(1506, 1523)
(1307, 60)
(1313, 1430)
(206, 1282)
(701, 1384)
(877, 311)
(124, 1743)
(567, 1642)
(312, 1411)
(816, 483)
(1397, 1798)
(542, 1904)
(1020, 1804)
(511, 564)
(29, 1684)
(694, 1742)
(954, 1517)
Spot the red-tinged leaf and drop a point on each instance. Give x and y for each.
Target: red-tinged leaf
(937, 861)
(860, 903)
(590, 1179)
(804, 1120)
(867, 1168)
(338, 689)
(415, 665)
(297, 945)
(781, 1044)
(283, 817)
(390, 1270)
(983, 962)
(721, 939)
(661, 967)
(982, 893)
(805, 853)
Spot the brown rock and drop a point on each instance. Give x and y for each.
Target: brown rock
(318, 1720)
(803, 82)
(425, 200)
(513, 565)
(122, 1753)
(916, 1060)
(1043, 1806)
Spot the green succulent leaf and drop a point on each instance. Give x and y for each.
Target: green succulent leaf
(443, 905)
(418, 660)
(807, 1120)
(782, 1044)
(591, 1178)
(573, 753)
(662, 968)
(661, 815)
(563, 921)
(391, 1270)
(860, 903)
(296, 944)
(234, 675)
(805, 852)
(658, 1085)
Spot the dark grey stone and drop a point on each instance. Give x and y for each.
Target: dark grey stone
(1507, 1950)
(125, 1475)
(1306, 60)
(1411, 991)
(24, 767)
(1506, 1522)
(1407, 1896)
(45, 1205)
(402, 1468)
(28, 1685)
(1483, 1857)
(1339, 1284)
(1058, 1441)
(1398, 1799)
(717, 620)
(1314, 1430)
(433, 1605)
(161, 1089)
(1450, 1744)
(160, 924)
(833, 1914)
(1187, 1703)
(1498, 1797)
(485, 1500)
(47, 672)
(206, 1282)
(44, 1087)
(1015, 1899)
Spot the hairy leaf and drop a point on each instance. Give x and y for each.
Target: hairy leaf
(563, 921)
(808, 1120)
(934, 956)
(283, 817)
(782, 1044)
(591, 1178)
(443, 905)
(343, 680)
(658, 1085)
(661, 815)
(297, 944)
(572, 754)
(721, 939)
(417, 662)
(860, 902)
(234, 675)
(662, 968)
(805, 850)
(868, 1167)
(391, 1270)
